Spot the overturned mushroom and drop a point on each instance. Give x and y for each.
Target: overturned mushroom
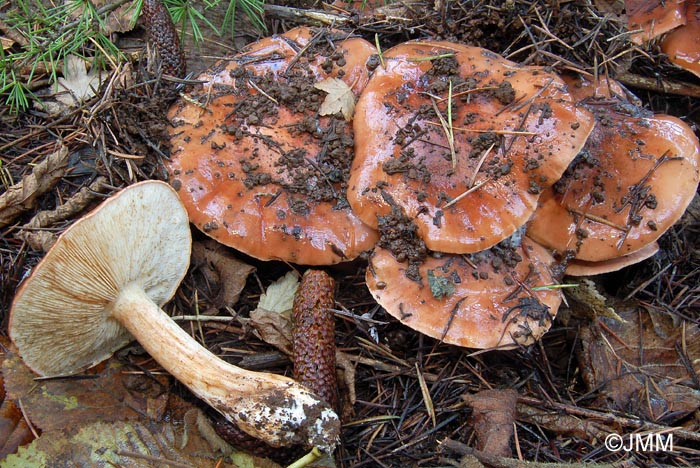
(462, 140)
(632, 181)
(101, 285)
(261, 150)
(497, 298)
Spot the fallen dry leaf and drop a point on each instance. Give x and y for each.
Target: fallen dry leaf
(279, 296)
(99, 396)
(40, 239)
(646, 366)
(119, 19)
(271, 320)
(221, 267)
(127, 444)
(586, 300)
(23, 195)
(340, 98)
(493, 416)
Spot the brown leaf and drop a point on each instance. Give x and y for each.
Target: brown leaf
(222, 267)
(273, 328)
(128, 444)
(492, 417)
(647, 366)
(340, 98)
(22, 196)
(61, 403)
(40, 239)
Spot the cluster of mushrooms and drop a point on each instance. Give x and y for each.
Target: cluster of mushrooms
(462, 175)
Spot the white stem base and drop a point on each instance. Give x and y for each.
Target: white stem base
(270, 407)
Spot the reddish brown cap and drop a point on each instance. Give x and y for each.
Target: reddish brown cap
(515, 129)
(481, 300)
(256, 165)
(651, 18)
(583, 268)
(682, 45)
(632, 181)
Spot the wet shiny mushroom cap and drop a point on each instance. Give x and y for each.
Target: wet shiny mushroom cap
(648, 19)
(482, 300)
(633, 180)
(256, 165)
(468, 171)
(682, 45)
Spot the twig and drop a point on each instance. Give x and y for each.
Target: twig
(609, 417)
(495, 461)
(660, 86)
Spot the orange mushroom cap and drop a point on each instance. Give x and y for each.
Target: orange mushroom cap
(682, 45)
(514, 131)
(649, 19)
(481, 300)
(632, 181)
(583, 268)
(256, 166)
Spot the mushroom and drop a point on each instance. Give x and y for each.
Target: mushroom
(102, 284)
(682, 45)
(258, 164)
(583, 268)
(462, 140)
(648, 19)
(498, 298)
(633, 180)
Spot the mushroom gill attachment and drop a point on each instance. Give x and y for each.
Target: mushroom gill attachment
(102, 284)
(483, 300)
(462, 140)
(632, 181)
(256, 161)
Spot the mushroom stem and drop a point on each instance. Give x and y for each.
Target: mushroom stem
(273, 408)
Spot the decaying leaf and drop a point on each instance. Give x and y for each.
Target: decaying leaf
(340, 98)
(127, 445)
(40, 239)
(221, 267)
(493, 416)
(585, 299)
(23, 195)
(119, 19)
(646, 366)
(271, 319)
(99, 396)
